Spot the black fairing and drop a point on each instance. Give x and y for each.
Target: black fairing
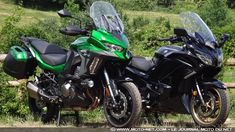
(170, 77)
(171, 61)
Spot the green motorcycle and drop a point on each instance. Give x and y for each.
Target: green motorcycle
(86, 76)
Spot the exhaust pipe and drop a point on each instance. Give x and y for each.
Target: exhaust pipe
(37, 93)
(33, 90)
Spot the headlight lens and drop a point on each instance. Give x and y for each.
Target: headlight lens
(113, 47)
(205, 58)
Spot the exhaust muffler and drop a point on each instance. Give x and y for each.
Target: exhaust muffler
(33, 90)
(36, 93)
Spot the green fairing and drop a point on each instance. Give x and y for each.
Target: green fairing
(96, 42)
(43, 65)
(18, 53)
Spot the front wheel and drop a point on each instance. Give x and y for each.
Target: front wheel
(127, 110)
(216, 110)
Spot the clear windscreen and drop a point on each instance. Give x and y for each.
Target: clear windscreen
(105, 16)
(193, 24)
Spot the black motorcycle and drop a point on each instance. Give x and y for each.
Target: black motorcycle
(182, 79)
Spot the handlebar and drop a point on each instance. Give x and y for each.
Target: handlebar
(73, 30)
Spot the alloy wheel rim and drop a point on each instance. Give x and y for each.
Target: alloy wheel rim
(209, 113)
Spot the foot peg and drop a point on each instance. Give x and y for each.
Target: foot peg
(36, 93)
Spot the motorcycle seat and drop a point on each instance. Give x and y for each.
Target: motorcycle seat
(141, 63)
(50, 53)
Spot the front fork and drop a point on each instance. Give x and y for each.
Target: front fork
(111, 86)
(199, 93)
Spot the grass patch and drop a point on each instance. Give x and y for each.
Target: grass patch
(232, 98)
(29, 15)
(93, 116)
(229, 74)
(12, 121)
(151, 15)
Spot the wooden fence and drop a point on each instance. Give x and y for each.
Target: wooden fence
(230, 62)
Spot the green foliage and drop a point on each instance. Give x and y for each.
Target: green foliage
(187, 6)
(10, 31)
(13, 100)
(49, 4)
(215, 13)
(166, 3)
(143, 36)
(228, 49)
(139, 22)
(139, 5)
(136, 4)
(45, 29)
(232, 99)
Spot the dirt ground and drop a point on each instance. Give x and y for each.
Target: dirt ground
(229, 123)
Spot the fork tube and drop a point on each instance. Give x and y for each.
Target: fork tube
(200, 94)
(109, 86)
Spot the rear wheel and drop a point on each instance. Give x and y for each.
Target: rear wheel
(39, 109)
(216, 111)
(127, 110)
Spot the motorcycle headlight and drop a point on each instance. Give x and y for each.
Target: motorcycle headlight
(113, 47)
(205, 59)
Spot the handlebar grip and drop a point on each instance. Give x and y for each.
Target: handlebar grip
(71, 31)
(164, 39)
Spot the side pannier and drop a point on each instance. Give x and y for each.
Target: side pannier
(19, 63)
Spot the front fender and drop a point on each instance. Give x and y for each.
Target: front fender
(121, 80)
(215, 83)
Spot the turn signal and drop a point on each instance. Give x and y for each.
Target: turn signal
(194, 93)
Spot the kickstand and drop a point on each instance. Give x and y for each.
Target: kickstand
(58, 117)
(77, 117)
(158, 120)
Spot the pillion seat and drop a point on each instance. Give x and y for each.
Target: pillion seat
(141, 63)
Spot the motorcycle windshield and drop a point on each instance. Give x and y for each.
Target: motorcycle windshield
(105, 16)
(194, 25)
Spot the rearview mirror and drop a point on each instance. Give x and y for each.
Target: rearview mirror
(223, 39)
(180, 32)
(64, 13)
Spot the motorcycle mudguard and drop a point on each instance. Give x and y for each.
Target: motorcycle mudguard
(114, 82)
(120, 80)
(215, 83)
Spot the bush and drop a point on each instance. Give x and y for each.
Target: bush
(46, 29)
(144, 39)
(135, 4)
(188, 6)
(215, 13)
(13, 100)
(49, 4)
(228, 49)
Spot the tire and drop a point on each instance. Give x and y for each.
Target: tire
(218, 115)
(38, 110)
(129, 93)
